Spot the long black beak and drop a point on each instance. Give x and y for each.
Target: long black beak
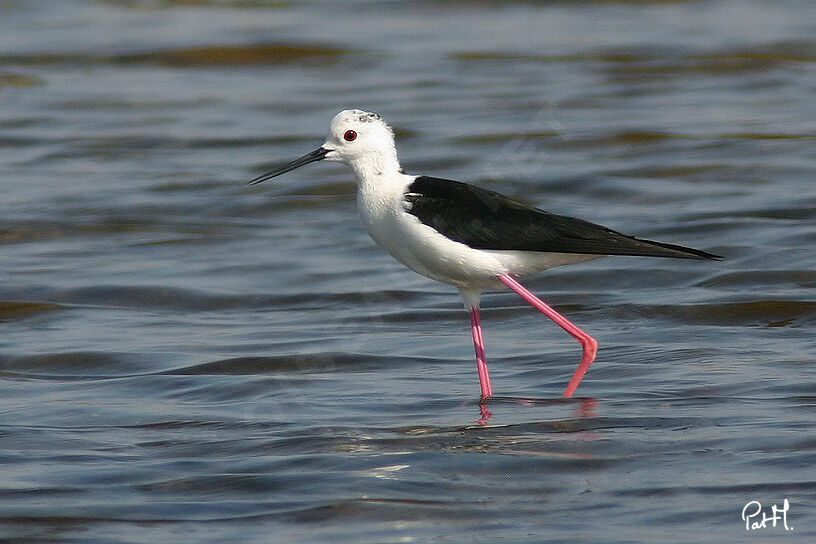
(316, 155)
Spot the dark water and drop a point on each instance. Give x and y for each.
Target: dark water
(186, 359)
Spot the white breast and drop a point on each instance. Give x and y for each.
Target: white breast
(421, 247)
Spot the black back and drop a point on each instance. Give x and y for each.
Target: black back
(485, 219)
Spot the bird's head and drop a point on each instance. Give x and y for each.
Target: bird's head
(357, 138)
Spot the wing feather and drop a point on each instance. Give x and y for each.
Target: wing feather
(485, 219)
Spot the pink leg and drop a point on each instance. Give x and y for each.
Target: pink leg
(481, 360)
(589, 344)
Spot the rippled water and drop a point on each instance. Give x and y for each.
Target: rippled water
(186, 359)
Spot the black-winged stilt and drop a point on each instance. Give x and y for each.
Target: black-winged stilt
(466, 236)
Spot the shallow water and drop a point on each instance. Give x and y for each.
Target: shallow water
(187, 359)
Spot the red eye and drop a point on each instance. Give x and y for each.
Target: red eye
(350, 136)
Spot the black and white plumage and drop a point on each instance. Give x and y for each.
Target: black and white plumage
(485, 219)
(463, 235)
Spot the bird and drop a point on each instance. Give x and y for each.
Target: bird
(472, 238)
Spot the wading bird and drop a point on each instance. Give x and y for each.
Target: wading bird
(466, 236)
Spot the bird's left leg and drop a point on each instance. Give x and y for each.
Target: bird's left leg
(589, 344)
(481, 359)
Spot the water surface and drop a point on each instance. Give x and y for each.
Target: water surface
(187, 359)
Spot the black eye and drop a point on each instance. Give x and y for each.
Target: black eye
(350, 136)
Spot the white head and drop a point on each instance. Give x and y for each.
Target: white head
(356, 138)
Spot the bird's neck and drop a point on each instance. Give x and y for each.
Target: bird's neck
(376, 168)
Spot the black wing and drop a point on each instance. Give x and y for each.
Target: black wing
(485, 219)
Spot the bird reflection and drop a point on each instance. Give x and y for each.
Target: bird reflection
(585, 408)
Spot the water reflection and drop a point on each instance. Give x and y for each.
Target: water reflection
(484, 413)
(586, 408)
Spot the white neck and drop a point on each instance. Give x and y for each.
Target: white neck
(375, 167)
